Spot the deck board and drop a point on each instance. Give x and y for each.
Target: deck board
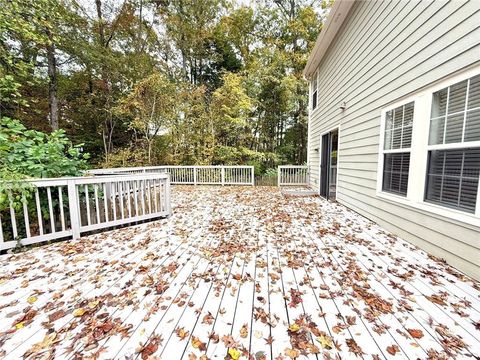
(237, 272)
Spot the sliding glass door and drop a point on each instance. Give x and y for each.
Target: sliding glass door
(328, 167)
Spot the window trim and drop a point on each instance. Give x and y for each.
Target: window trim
(382, 151)
(419, 152)
(314, 92)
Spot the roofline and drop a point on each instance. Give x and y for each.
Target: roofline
(335, 19)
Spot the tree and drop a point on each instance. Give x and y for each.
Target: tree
(153, 104)
(231, 109)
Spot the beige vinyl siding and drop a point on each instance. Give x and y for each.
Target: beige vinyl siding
(386, 51)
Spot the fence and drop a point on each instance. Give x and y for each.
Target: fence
(68, 207)
(193, 175)
(293, 175)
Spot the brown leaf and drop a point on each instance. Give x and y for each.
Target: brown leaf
(244, 331)
(208, 319)
(198, 344)
(393, 349)
(181, 333)
(269, 340)
(415, 333)
(151, 347)
(56, 315)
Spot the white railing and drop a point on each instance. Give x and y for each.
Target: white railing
(192, 175)
(296, 175)
(67, 207)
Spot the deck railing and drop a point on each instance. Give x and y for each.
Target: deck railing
(295, 175)
(67, 207)
(192, 175)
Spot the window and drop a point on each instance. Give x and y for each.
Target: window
(314, 92)
(396, 149)
(452, 178)
(453, 156)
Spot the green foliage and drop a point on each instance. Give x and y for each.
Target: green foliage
(31, 153)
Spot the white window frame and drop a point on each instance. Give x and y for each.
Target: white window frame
(314, 92)
(419, 153)
(383, 151)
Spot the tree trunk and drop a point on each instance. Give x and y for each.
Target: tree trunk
(52, 82)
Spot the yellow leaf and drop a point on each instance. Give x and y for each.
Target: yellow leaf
(32, 299)
(234, 353)
(294, 327)
(292, 353)
(93, 304)
(325, 341)
(79, 312)
(19, 325)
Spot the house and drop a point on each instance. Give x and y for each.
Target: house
(394, 120)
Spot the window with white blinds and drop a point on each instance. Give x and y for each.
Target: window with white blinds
(452, 178)
(453, 157)
(396, 149)
(455, 116)
(314, 91)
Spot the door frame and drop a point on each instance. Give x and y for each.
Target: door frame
(336, 127)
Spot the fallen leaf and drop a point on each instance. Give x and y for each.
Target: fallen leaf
(415, 333)
(32, 299)
(393, 349)
(56, 315)
(197, 344)
(294, 327)
(292, 353)
(326, 341)
(234, 354)
(151, 347)
(181, 333)
(79, 312)
(93, 304)
(244, 331)
(208, 319)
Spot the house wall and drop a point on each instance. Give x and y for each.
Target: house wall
(386, 51)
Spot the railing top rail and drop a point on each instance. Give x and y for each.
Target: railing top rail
(90, 179)
(294, 166)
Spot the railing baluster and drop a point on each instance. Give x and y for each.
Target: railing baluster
(120, 195)
(60, 204)
(87, 204)
(97, 207)
(13, 220)
(1, 232)
(142, 186)
(135, 190)
(39, 212)
(155, 195)
(113, 186)
(149, 197)
(25, 219)
(50, 209)
(129, 205)
(105, 201)
(73, 205)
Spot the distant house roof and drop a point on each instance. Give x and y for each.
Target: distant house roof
(335, 19)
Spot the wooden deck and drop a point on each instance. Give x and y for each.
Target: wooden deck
(238, 273)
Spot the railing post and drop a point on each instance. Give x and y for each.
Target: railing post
(278, 176)
(252, 170)
(223, 175)
(73, 205)
(168, 203)
(194, 175)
